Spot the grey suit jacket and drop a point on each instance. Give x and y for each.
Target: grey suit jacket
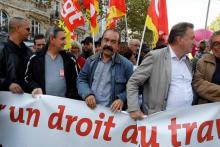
(154, 74)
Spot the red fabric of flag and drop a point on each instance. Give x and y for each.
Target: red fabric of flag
(92, 9)
(117, 8)
(110, 23)
(72, 15)
(157, 20)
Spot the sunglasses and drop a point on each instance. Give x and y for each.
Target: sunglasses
(216, 45)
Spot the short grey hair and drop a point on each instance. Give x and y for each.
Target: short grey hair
(76, 44)
(52, 32)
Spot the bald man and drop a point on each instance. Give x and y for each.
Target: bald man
(14, 56)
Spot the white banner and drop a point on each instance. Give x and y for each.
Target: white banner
(50, 121)
(197, 126)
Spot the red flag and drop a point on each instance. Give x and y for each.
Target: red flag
(72, 15)
(117, 8)
(73, 36)
(157, 20)
(110, 23)
(92, 8)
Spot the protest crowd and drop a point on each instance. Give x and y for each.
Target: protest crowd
(165, 78)
(126, 76)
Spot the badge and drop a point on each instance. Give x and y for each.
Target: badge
(62, 72)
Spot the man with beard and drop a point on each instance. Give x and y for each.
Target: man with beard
(53, 71)
(14, 55)
(87, 47)
(104, 76)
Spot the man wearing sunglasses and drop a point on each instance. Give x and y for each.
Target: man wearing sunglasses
(206, 80)
(14, 56)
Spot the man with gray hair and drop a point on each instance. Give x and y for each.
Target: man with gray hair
(134, 45)
(76, 50)
(166, 75)
(14, 55)
(53, 71)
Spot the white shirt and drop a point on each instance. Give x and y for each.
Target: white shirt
(180, 92)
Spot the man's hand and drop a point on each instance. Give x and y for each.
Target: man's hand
(136, 115)
(117, 105)
(37, 91)
(15, 88)
(90, 101)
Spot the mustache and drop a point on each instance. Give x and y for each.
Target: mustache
(107, 47)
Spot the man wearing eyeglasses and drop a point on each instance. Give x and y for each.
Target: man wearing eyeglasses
(104, 76)
(206, 80)
(14, 57)
(134, 45)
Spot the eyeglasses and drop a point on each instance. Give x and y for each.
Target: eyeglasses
(105, 40)
(216, 45)
(136, 45)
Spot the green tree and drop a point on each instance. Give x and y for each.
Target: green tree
(136, 16)
(215, 25)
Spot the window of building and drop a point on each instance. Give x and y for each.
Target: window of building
(42, 1)
(4, 21)
(35, 28)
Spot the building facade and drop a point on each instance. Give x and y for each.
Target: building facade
(40, 13)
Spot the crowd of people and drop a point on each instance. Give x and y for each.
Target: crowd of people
(165, 79)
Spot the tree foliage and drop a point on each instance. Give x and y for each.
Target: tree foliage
(215, 25)
(136, 16)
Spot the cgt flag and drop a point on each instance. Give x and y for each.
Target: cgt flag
(72, 15)
(92, 10)
(157, 21)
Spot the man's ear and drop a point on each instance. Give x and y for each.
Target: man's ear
(52, 37)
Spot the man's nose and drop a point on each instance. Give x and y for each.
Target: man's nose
(108, 43)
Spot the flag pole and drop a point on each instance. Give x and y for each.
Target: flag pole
(126, 28)
(142, 40)
(207, 15)
(93, 42)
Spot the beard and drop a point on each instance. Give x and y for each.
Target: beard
(108, 51)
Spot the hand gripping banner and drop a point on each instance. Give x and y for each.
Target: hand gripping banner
(50, 121)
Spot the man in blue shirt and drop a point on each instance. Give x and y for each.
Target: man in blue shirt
(104, 76)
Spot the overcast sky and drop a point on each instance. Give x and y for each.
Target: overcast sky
(193, 11)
